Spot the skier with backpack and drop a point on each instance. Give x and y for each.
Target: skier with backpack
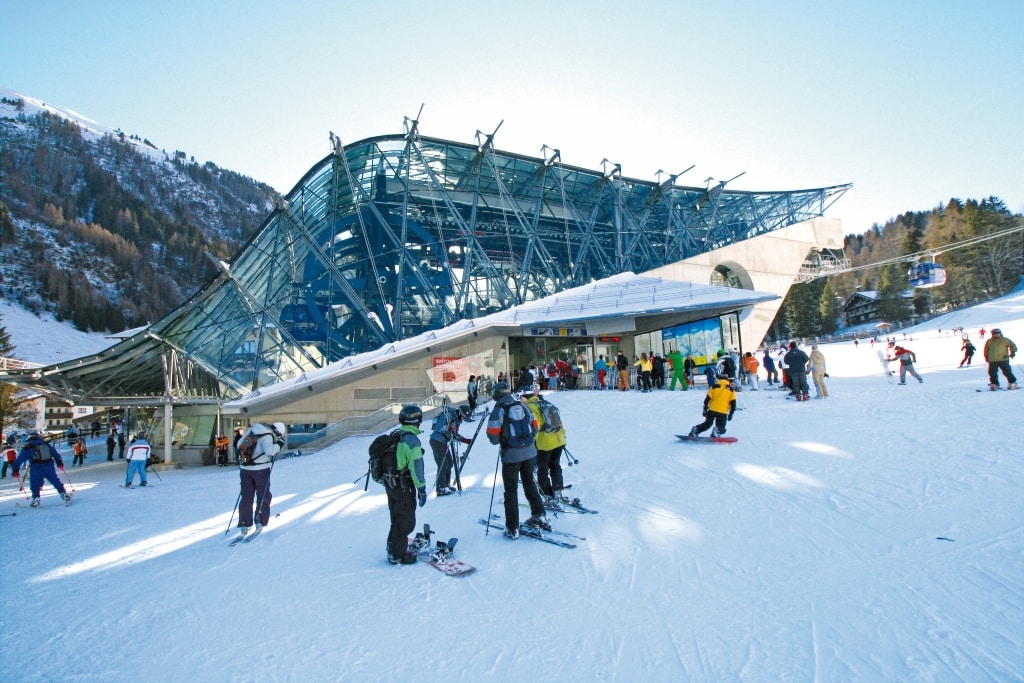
(403, 479)
(443, 430)
(550, 444)
(256, 451)
(42, 456)
(513, 428)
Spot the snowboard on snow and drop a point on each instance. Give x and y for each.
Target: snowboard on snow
(707, 439)
(439, 556)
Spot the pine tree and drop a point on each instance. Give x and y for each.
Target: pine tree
(828, 306)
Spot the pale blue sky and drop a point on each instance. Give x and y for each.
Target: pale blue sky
(913, 102)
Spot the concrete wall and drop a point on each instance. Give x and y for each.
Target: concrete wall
(767, 263)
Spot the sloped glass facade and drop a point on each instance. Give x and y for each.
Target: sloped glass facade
(392, 236)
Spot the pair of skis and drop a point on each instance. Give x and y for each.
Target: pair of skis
(533, 532)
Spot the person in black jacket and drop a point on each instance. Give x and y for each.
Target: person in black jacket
(796, 366)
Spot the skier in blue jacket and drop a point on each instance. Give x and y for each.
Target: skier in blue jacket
(42, 455)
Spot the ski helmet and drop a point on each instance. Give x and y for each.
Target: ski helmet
(410, 415)
(465, 412)
(500, 390)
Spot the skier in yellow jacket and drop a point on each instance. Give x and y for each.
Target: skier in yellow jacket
(719, 405)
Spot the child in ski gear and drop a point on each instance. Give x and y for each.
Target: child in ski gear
(513, 429)
(550, 443)
(138, 458)
(968, 349)
(445, 430)
(472, 395)
(816, 366)
(907, 360)
(406, 486)
(719, 406)
(80, 452)
(796, 367)
(998, 352)
(256, 451)
(42, 455)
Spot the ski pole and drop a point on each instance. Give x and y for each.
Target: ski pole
(453, 450)
(494, 483)
(61, 468)
(148, 464)
(21, 482)
(366, 477)
(572, 458)
(232, 517)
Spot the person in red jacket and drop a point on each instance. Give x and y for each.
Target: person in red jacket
(907, 359)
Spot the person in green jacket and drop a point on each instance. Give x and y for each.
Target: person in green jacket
(406, 486)
(998, 352)
(675, 359)
(550, 443)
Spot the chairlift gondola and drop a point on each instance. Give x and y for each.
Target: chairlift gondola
(925, 275)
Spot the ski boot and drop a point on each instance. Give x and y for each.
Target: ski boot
(538, 522)
(511, 534)
(552, 503)
(35, 502)
(693, 433)
(1011, 387)
(66, 497)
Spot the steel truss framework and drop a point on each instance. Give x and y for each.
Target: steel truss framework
(392, 236)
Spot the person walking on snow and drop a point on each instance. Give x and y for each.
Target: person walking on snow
(512, 427)
(751, 365)
(998, 352)
(406, 486)
(42, 456)
(138, 458)
(256, 451)
(678, 365)
(907, 360)
(719, 406)
(816, 366)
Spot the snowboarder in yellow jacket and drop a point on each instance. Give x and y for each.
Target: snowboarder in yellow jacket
(719, 406)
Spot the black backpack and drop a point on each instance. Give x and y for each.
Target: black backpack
(384, 455)
(42, 453)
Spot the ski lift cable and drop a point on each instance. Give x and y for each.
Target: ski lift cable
(933, 252)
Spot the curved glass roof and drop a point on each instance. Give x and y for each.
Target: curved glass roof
(392, 236)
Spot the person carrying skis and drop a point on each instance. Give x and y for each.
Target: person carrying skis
(719, 406)
(998, 352)
(256, 451)
(907, 360)
(550, 442)
(42, 455)
(968, 348)
(444, 430)
(512, 427)
(405, 486)
(138, 458)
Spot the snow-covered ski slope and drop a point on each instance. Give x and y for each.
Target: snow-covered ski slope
(877, 535)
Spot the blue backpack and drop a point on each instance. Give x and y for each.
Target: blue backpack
(516, 426)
